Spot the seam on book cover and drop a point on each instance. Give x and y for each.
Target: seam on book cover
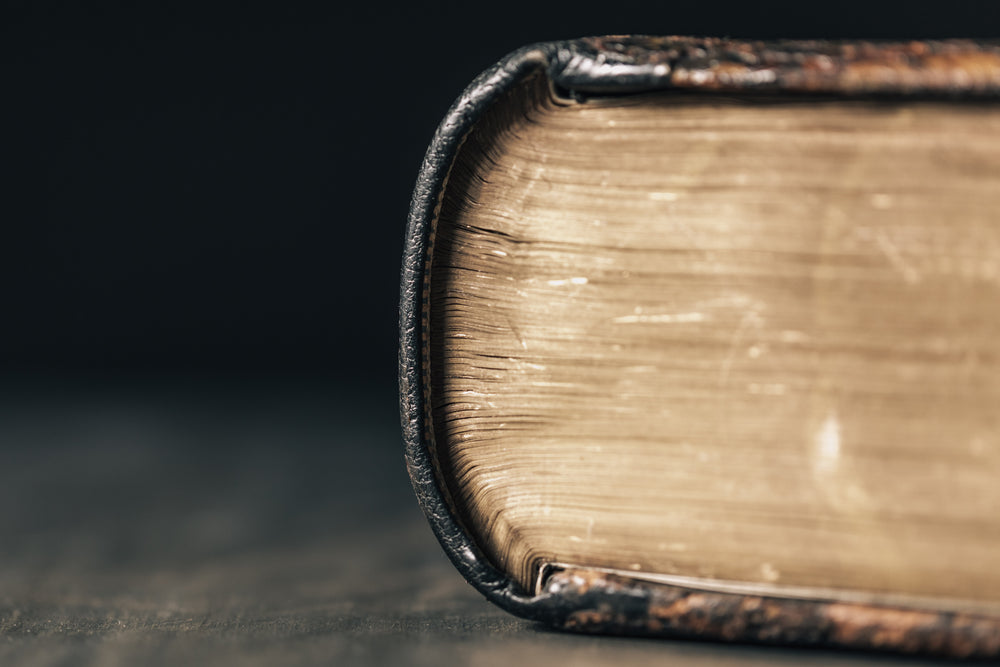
(425, 318)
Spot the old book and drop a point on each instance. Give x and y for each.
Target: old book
(702, 338)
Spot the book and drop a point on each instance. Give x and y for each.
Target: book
(701, 338)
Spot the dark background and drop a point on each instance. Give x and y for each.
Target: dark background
(200, 231)
(225, 191)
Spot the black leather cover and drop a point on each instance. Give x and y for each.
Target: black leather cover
(615, 65)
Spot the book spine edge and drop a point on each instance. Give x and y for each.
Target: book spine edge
(430, 489)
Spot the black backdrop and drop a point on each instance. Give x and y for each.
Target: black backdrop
(225, 192)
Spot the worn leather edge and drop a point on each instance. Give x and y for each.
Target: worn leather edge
(431, 491)
(965, 68)
(613, 604)
(613, 65)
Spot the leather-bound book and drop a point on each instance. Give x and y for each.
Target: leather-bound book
(701, 338)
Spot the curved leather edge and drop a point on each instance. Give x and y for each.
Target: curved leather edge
(604, 65)
(420, 463)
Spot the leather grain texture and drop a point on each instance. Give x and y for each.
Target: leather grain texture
(954, 67)
(611, 603)
(958, 69)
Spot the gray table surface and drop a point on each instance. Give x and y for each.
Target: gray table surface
(216, 524)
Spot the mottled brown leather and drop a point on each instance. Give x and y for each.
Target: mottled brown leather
(958, 69)
(614, 604)
(951, 67)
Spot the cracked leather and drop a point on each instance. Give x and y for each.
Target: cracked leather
(616, 65)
